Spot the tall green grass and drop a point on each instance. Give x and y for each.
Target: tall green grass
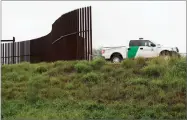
(133, 89)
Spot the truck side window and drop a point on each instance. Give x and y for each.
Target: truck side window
(144, 43)
(135, 43)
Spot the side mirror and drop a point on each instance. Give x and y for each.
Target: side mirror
(153, 45)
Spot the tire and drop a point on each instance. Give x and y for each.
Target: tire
(165, 54)
(175, 54)
(116, 59)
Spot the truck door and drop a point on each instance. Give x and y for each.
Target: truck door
(146, 50)
(141, 48)
(133, 48)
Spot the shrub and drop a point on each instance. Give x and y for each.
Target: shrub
(12, 76)
(54, 93)
(128, 63)
(68, 68)
(90, 77)
(25, 66)
(179, 68)
(140, 92)
(40, 69)
(137, 70)
(137, 81)
(69, 86)
(161, 106)
(161, 95)
(34, 85)
(7, 68)
(154, 70)
(107, 68)
(64, 66)
(52, 72)
(54, 81)
(82, 68)
(158, 83)
(158, 61)
(179, 107)
(149, 113)
(140, 61)
(172, 61)
(58, 63)
(11, 108)
(115, 91)
(181, 65)
(94, 106)
(98, 63)
(32, 94)
(118, 72)
(60, 70)
(39, 81)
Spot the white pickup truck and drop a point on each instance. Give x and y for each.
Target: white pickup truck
(137, 48)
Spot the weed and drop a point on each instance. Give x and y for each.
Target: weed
(157, 61)
(69, 86)
(98, 63)
(128, 63)
(107, 69)
(133, 89)
(82, 68)
(91, 78)
(154, 70)
(40, 69)
(140, 61)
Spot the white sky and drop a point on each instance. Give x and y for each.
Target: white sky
(113, 22)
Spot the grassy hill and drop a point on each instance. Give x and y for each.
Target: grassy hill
(133, 89)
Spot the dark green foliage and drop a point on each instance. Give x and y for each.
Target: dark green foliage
(82, 67)
(90, 78)
(98, 63)
(158, 61)
(107, 69)
(134, 89)
(40, 69)
(128, 63)
(140, 61)
(154, 70)
(12, 76)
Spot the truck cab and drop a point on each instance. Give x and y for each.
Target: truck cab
(142, 48)
(138, 48)
(148, 49)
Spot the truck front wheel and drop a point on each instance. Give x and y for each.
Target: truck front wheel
(165, 54)
(175, 54)
(116, 59)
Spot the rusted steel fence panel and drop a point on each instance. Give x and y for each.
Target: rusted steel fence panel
(69, 39)
(7, 51)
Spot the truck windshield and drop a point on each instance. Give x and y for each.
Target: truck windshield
(153, 42)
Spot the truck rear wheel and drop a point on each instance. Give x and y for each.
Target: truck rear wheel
(116, 59)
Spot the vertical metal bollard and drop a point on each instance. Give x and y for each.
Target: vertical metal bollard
(13, 49)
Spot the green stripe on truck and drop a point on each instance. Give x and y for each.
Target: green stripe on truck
(132, 51)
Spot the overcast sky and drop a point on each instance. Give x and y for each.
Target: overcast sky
(113, 22)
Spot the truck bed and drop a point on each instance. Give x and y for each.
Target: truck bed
(108, 51)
